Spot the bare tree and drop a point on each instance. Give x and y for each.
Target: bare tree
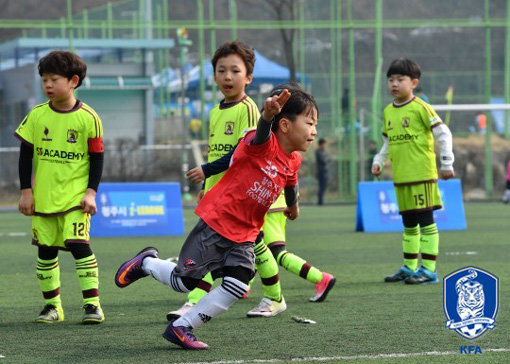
(282, 10)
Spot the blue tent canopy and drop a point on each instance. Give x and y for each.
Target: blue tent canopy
(265, 71)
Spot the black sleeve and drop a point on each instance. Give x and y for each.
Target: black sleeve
(291, 195)
(219, 165)
(95, 170)
(263, 132)
(26, 154)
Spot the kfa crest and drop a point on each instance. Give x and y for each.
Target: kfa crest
(470, 301)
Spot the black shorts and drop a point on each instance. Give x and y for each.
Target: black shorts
(207, 251)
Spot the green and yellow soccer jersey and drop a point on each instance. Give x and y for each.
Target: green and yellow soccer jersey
(411, 142)
(229, 123)
(61, 141)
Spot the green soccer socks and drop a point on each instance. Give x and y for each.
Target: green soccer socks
(429, 247)
(411, 247)
(88, 278)
(268, 270)
(299, 267)
(48, 274)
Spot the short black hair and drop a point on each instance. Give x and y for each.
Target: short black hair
(404, 66)
(244, 51)
(63, 63)
(299, 101)
(322, 141)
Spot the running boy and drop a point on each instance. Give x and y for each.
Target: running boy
(410, 127)
(232, 213)
(64, 136)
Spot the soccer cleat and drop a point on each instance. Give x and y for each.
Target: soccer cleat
(323, 287)
(422, 276)
(183, 336)
(132, 270)
(399, 275)
(93, 314)
(268, 308)
(174, 315)
(50, 314)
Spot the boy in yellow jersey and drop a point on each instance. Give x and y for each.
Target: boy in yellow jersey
(64, 138)
(410, 127)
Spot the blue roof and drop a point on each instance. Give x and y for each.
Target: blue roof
(265, 71)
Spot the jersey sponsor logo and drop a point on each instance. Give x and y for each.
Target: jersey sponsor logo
(220, 148)
(60, 154)
(46, 132)
(403, 138)
(72, 136)
(405, 122)
(229, 128)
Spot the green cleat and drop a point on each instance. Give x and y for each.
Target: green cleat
(50, 314)
(93, 314)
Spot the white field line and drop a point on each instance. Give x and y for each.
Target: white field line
(17, 234)
(354, 357)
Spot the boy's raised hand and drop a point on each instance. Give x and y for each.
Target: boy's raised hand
(273, 105)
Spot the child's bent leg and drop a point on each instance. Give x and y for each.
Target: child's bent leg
(163, 271)
(219, 300)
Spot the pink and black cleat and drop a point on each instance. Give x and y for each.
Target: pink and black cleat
(132, 270)
(184, 337)
(323, 287)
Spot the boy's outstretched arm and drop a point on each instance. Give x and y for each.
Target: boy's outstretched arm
(200, 173)
(380, 158)
(26, 203)
(443, 136)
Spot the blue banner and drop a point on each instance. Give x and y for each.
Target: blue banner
(377, 209)
(138, 209)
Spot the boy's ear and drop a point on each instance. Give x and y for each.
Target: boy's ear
(74, 81)
(249, 78)
(283, 125)
(415, 82)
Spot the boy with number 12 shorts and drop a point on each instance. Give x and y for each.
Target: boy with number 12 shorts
(232, 213)
(64, 137)
(410, 127)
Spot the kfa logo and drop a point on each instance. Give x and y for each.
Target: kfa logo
(470, 301)
(72, 136)
(229, 128)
